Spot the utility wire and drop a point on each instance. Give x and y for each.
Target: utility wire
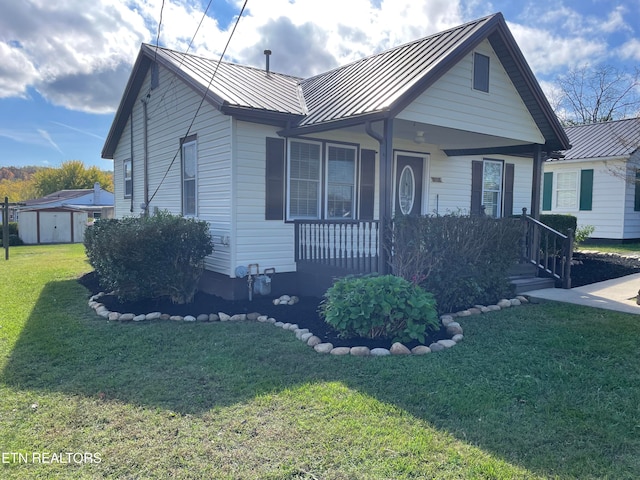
(204, 96)
(159, 28)
(193, 37)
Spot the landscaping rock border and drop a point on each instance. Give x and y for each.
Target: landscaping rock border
(453, 327)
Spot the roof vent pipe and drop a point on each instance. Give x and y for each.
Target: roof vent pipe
(266, 54)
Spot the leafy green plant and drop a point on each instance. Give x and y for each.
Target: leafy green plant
(149, 257)
(582, 233)
(14, 239)
(379, 307)
(462, 260)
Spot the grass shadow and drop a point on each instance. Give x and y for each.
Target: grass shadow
(520, 396)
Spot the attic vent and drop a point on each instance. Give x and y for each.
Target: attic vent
(266, 54)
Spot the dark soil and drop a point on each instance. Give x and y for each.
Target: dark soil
(304, 313)
(589, 268)
(597, 267)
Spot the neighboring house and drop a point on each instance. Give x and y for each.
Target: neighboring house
(61, 217)
(598, 179)
(301, 175)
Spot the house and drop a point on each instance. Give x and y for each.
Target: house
(598, 179)
(300, 175)
(61, 217)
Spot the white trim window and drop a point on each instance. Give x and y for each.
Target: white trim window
(567, 190)
(304, 179)
(341, 182)
(189, 176)
(492, 187)
(127, 175)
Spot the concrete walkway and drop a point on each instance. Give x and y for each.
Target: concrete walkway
(618, 294)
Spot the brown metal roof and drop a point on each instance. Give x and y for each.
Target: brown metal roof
(620, 138)
(375, 87)
(234, 85)
(376, 83)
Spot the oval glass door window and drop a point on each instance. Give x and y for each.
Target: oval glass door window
(406, 190)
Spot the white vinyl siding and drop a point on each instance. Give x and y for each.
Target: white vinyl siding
(452, 102)
(171, 109)
(612, 212)
(256, 240)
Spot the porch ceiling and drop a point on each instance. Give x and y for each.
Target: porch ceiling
(445, 138)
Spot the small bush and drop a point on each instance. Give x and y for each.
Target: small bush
(14, 239)
(582, 233)
(149, 257)
(462, 260)
(379, 307)
(560, 223)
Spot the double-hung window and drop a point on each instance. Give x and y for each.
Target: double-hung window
(567, 190)
(304, 179)
(189, 176)
(128, 178)
(492, 187)
(321, 186)
(341, 174)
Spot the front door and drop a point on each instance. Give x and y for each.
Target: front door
(408, 185)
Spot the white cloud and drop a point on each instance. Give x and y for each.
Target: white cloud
(80, 57)
(630, 50)
(47, 137)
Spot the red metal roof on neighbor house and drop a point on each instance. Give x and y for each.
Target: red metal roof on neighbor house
(620, 138)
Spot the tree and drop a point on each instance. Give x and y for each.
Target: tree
(17, 190)
(597, 94)
(71, 175)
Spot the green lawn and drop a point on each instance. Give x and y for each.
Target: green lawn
(623, 248)
(538, 391)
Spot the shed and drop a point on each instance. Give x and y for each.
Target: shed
(52, 225)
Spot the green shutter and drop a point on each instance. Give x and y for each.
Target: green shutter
(636, 203)
(586, 189)
(547, 190)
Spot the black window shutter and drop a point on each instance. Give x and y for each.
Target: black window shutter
(367, 183)
(476, 187)
(509, 173)
(547, 191)
(586, 189)
(274, 179)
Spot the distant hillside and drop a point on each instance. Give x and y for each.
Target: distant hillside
(18, 173)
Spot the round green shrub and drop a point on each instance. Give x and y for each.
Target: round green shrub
(383, 306)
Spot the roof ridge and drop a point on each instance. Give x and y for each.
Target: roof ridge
(404, 45)
(608, 122)
(241, 65)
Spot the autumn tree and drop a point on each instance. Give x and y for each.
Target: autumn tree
(70, 176)
(597, 94)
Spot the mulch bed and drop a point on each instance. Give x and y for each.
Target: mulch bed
(598, 267)
(304, 313)
(590, 268)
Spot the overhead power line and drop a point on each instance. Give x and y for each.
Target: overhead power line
(204, 95)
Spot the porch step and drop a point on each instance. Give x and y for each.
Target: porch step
(526, 284)
(525, 270)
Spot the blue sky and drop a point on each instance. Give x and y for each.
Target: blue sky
(64, 65)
